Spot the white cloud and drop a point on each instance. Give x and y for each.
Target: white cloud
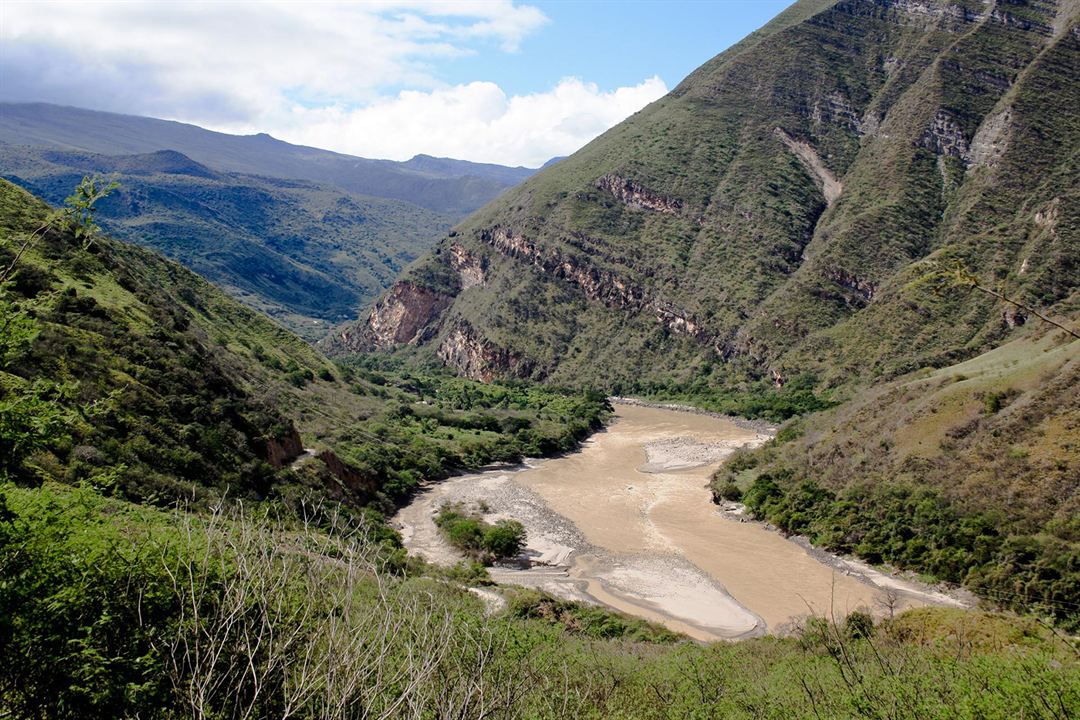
(477, 121)
(316, 72)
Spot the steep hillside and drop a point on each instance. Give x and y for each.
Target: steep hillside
(969, 473)
(307, 255)
(448, 186)
(769, 218)
(125, 371)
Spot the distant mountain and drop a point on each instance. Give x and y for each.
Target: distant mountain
(449, 186)
(307, 254)
(447, 167)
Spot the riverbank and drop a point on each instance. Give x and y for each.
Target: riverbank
(760, 426)
(626, 521)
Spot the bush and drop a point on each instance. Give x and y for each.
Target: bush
(730, 492)
(859, 624)
(505, 539)
(478, 539)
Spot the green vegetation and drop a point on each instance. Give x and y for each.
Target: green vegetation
(483, 541)
(119, 610)
(965, 474)
(307, 255)
(586, 620)
(918, 529)
(755, 399)
(431, 423)
(122, 370)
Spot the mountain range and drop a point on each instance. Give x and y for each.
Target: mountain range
(304, 235)
(455, 187)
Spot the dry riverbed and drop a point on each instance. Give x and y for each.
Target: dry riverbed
(627, 522)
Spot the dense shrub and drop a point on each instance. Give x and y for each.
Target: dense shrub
(919, 530)
(483, 541)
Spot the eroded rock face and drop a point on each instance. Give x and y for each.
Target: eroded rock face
(476, 357)
(279, 451)
(634, 195)
(991, 140)
(470, 269)
(597, 284)
(351, 480)
(944, 137)
(864, 288)
(830, 185)
(397, 318)
(925, 12)
(835, 109)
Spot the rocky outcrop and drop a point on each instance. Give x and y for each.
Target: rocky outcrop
(1013, 316)
(472, 271)
(863, 288)
(991, 139)
(944, 137)
(597, 284)
(829, 185)
(397, 318)
(1026, 24)
(633, 195)
(947, 16)
(281, 450)
(835, 109)
(352, 481)
(476, 357)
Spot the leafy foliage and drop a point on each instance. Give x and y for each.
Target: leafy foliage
(471, 534)
(919, 530)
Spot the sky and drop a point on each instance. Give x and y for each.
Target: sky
(514, 83)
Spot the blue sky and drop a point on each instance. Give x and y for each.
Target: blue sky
(485, 80)
(616, 44)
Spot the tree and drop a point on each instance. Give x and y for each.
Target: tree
(76, 217)
(956, 274)
(504, 539)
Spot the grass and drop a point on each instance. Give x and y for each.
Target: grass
(99, 629)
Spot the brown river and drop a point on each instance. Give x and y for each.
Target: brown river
(627, 522)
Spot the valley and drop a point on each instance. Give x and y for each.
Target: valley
(763, 401)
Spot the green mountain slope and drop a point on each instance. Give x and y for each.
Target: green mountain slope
(769, 215)
(123, 370)
(451, 186)
(970, 473)
(308, 255)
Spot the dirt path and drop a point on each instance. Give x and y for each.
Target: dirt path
(627, 522)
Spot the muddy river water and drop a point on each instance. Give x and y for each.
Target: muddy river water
(627, 522)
